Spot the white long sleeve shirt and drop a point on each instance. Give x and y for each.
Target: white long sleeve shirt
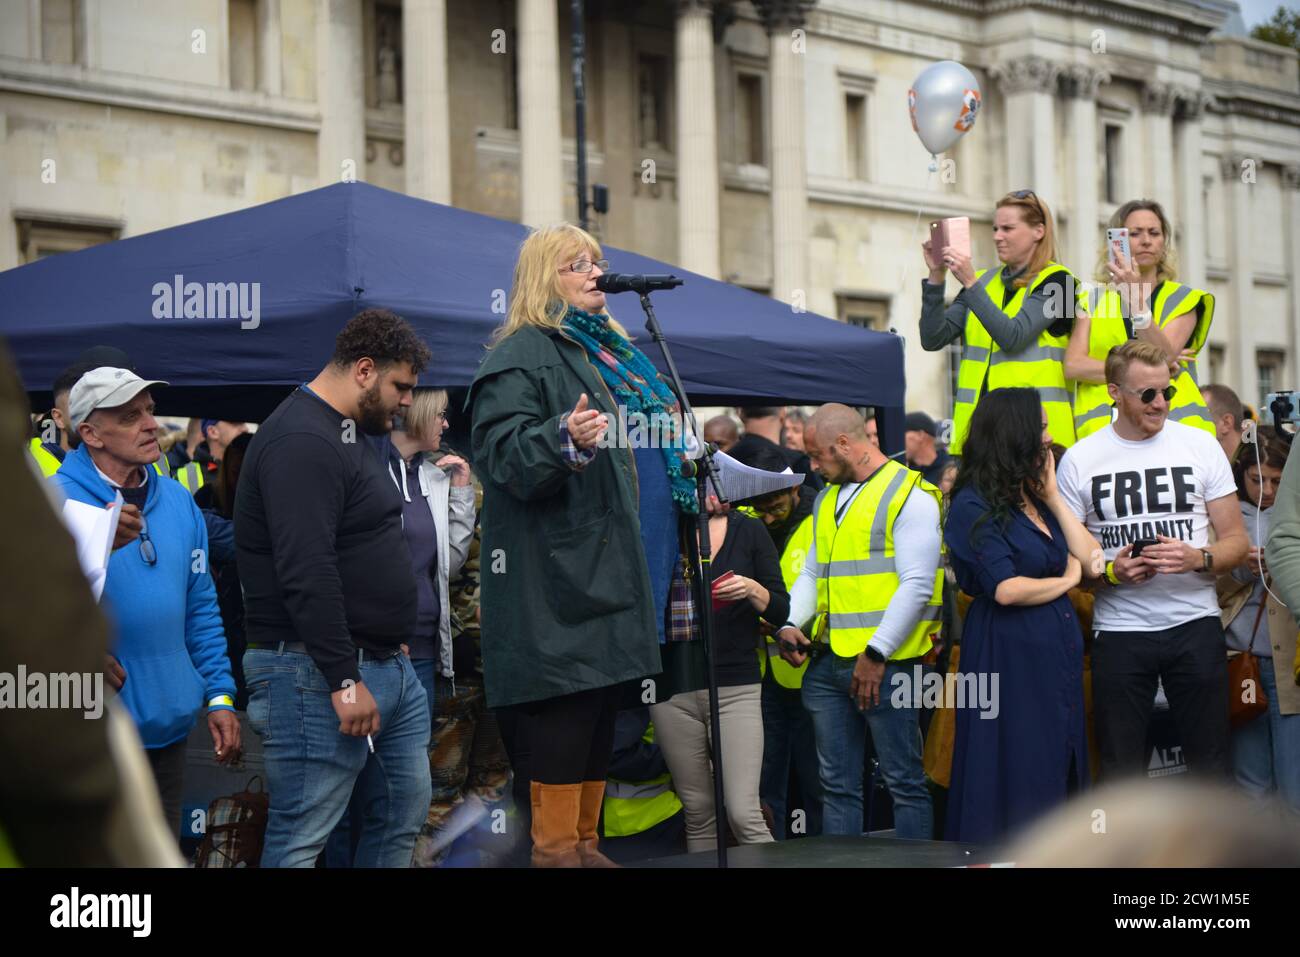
(916, 559)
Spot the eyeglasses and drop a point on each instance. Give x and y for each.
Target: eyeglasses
(584, 265)
(771, 506)
(147, 551)
(1149, 395)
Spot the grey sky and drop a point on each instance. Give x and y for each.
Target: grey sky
(1257, 11)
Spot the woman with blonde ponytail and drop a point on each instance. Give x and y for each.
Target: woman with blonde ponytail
(1013, 321)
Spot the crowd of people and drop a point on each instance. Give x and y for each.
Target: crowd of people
(412, 629)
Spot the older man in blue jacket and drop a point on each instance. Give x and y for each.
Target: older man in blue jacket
(169, 659)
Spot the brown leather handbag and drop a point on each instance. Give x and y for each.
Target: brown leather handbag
(1243, 673)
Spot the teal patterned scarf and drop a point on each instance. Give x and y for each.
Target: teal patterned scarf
(636, 386)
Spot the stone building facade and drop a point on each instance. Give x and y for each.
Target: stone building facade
(766, 143)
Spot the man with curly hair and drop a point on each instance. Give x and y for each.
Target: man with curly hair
(330, 600)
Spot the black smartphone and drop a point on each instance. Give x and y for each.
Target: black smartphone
(792, 646)
(1140, 544)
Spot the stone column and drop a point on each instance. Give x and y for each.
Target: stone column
(786, 138)
(426, 102)
(1080, 84)
(9, 252)
(1158, 155)
(541, 163)
(1029, 90)
(340, 91)
(270, 79)
(698, 188)
(1241, 330)
(1190, 226)
(1291, 189)
(85, 38)
(35, 42)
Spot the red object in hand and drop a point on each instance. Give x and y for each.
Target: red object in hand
(718, 603)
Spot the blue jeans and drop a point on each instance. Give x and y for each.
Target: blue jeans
(787, 736)
(312, 769)
(1266, 751)
(841, 733)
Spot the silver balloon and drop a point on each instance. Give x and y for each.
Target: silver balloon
(944, 101)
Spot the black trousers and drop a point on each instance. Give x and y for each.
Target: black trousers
(1191, 661)
(571, 737)
(168, 766)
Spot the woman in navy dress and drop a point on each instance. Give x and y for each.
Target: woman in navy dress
(1017, 551)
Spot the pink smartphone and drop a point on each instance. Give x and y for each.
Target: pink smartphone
(954, 232)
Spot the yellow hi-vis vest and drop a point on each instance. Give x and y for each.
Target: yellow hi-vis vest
(1092, 404)
(191, 476)
(856, 577)
(792, 561)
(47, 462)
(632, 808)
(984, 366)
(7, 856)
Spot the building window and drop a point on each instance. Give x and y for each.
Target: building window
(750, 132)
(869, 312)
(652, 102)
(1269, 365)
(855, 136)
(38, 238)
(59, 31)
(1112, 180)
(1214, 372)
(243, 44)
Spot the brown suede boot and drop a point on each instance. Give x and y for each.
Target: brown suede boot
(593, 794)
(555, 824)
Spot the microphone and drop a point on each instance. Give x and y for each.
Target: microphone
(631, 282)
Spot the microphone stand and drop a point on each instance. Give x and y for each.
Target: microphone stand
(705, 471)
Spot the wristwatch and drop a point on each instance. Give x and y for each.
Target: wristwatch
(875, 656)
(1207, 560)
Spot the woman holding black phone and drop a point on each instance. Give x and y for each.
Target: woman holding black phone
(1017, 549)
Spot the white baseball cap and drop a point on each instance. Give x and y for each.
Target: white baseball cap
(104, 388)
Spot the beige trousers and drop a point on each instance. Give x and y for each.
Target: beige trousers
(682, 732)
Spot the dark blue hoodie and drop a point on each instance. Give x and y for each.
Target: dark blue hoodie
(169, 637)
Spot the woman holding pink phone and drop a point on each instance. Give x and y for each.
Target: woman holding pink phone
(1013, 321)
(1140, 298)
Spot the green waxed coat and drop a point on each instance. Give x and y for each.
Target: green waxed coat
(565, 599)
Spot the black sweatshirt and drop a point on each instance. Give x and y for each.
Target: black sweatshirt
(748, 551)
(318, 539)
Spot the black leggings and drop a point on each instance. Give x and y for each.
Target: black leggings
(572, 736)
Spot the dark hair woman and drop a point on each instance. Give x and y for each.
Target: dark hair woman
(1266, 748)
(580, 540)
(216, 500)
(1017, 550)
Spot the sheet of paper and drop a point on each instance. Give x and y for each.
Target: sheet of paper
(741, 481)
(93, 529)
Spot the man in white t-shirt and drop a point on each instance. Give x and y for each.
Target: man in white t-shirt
(1146, 481)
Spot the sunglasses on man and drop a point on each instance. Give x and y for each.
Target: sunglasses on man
(1149, 395)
